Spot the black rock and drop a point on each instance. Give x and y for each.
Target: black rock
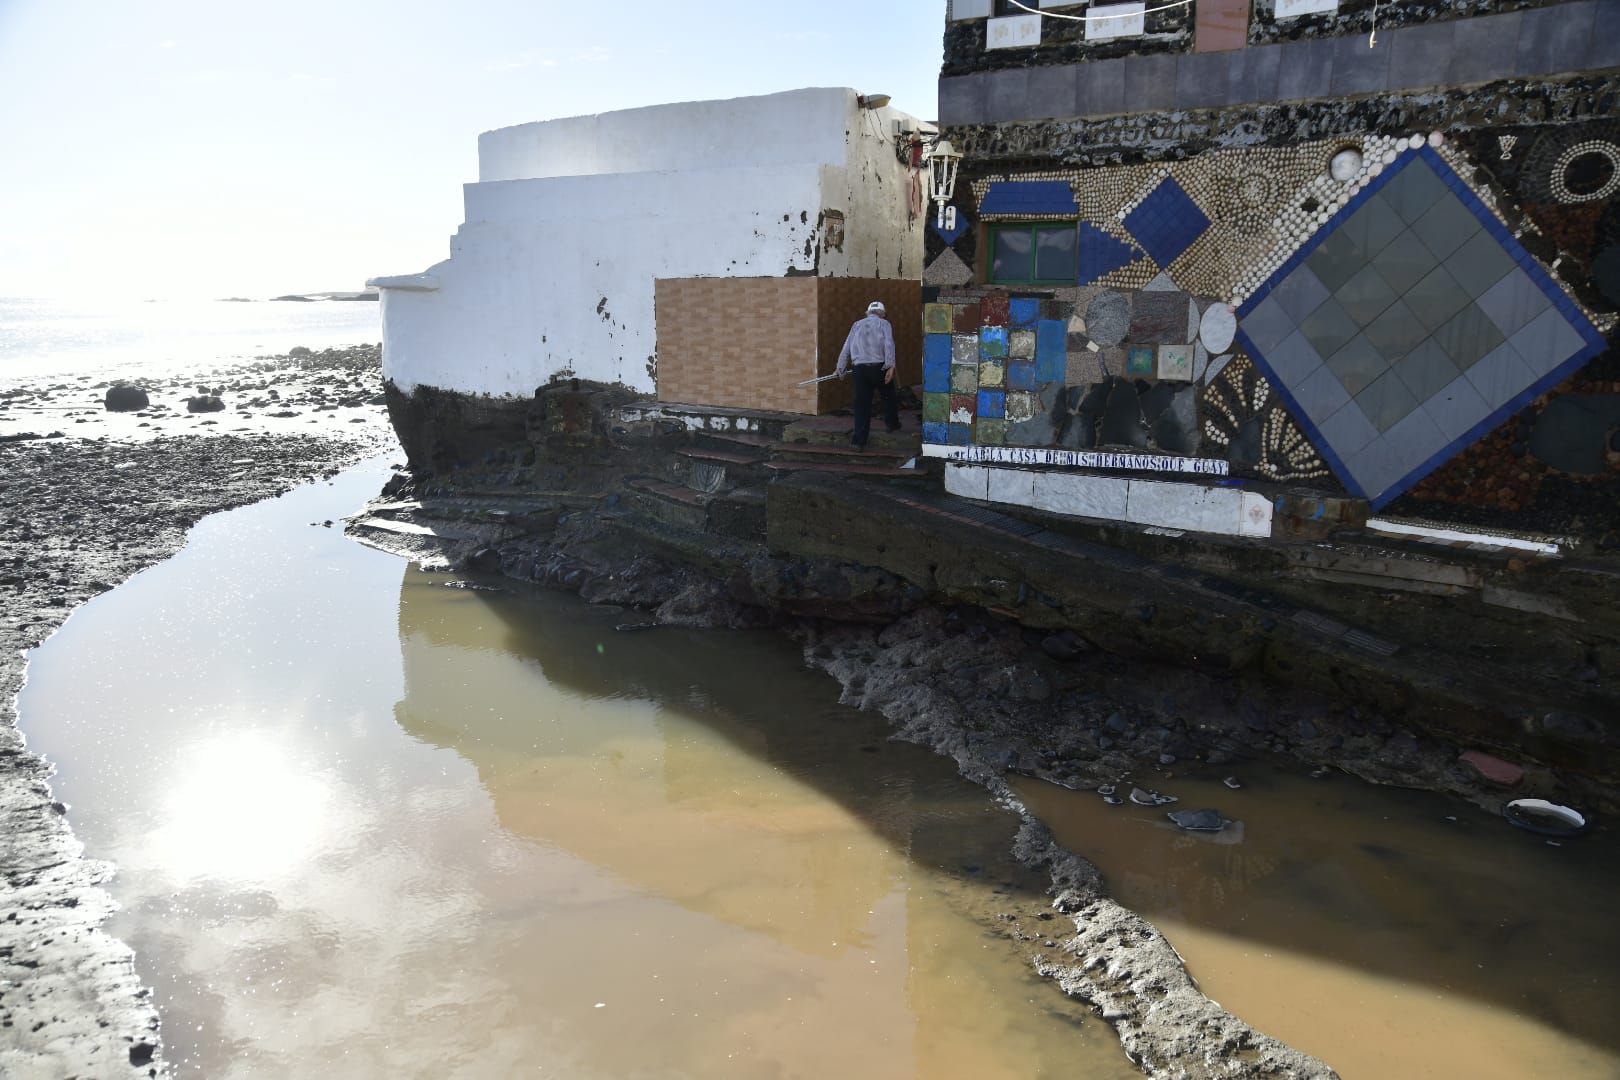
(1065, 646)
(204, 403)
(1116, 722)
(125, 397)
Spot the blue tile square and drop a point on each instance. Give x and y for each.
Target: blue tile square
(961, 435)
(1051, 339)
(1293, 360)
(1386, 401)
(1457, 408)
(937, 376)
(1268, 324)
(936, 432)
(1321, 395)
(1028, 197)
(1415, 438)
(1300, 293)
(936, 348)
(992, 404)
(1166, 222)
(1500, 375)
(1023, 312)
(1021, 375)
(1348, 430)
(992, 342)
(1513, 301)
(1546, 342)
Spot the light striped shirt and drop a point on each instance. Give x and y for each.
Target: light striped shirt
(870, 341)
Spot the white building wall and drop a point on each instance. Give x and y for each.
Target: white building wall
(573, 220)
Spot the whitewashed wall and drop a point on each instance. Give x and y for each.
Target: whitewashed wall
(572, 221)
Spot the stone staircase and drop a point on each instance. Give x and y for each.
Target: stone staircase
(718, 484)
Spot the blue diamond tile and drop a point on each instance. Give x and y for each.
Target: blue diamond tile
(1102, 253)
(1166, 222)
(1439, 327)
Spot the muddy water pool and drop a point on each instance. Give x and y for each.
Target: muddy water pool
(1394, 934)
(368, 824)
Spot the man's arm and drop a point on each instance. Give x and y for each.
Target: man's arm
(843, 356)
(888, 347)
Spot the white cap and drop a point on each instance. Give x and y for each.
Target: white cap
(876, 308)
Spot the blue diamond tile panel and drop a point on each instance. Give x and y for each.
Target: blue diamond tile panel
(1407, 328)
(1051, 197)
(1102, 254)
(1166, 222)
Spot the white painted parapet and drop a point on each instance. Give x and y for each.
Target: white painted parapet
(572, 220)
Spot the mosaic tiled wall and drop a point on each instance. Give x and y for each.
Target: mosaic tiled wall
(1387, 314)
(1148, 370)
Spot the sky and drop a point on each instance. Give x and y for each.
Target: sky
(211, 148)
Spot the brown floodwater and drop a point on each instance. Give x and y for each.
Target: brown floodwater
(371, 825)
(1392, 933)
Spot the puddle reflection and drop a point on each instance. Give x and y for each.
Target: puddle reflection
(368, 825)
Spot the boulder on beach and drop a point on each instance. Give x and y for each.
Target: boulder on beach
(125, 397)
(204, 403)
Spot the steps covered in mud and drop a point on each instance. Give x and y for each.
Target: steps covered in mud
(738, 513)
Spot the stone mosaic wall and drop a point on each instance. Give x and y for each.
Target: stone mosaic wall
(1380, 316)
(1135, 370)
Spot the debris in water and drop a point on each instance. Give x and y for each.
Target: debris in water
(1546, 818)
(1106, 789)
(1150, 798)
(1112, 800)
(1198, 820)
(629, 626)
(1233, 782)
(1319, 772)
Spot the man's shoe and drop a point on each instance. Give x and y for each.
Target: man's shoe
(893, 428)
(858, 447)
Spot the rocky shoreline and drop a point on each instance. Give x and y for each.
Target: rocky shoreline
(78, 515)
(999, 699)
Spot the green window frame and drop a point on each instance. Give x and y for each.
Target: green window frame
(1035, 253)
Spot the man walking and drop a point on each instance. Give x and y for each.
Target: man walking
(869, 350)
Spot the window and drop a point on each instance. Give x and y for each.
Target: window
(1037, 254)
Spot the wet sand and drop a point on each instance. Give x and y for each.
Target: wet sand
(79, 513)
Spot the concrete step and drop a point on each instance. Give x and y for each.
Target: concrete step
(722, 457)
(669, 503)
(849, 469)
(872, 455)
(725, 439)
(833, 430)
(739, 514)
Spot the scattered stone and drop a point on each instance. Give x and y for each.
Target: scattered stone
(1493, 769)
(1151, 798)
(204, 403)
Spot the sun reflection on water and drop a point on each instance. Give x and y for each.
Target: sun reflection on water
(241, 809)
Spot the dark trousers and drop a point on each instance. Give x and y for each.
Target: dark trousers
(869, 377)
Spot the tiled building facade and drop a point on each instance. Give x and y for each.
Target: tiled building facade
(1282, 243)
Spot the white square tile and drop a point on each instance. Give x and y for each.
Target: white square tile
(1081, 495)
(968, 481)
(1013, 32)
(1016, 486)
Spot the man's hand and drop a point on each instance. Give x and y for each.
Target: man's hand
(888, 375)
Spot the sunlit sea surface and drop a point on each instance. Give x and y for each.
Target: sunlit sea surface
(127, 338)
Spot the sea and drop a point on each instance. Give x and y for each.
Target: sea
(125, 339)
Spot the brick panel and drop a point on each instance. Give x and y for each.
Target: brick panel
(746, 342)
(741, 342)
